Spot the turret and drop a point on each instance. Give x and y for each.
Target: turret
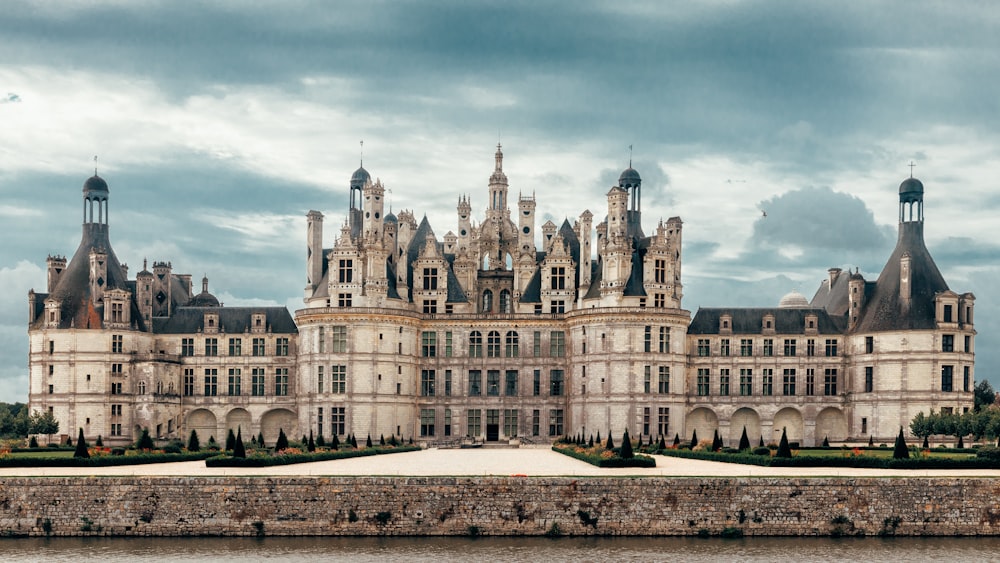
(314, 250)
(526, 224)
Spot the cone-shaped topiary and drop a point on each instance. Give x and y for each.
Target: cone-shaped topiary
(591, 442)
(871, 441)
(260, 440)
(663, 443)
(625, 452)
(145, 442)
(961, 442)
(99, 443)
(230, 440)
(381, 439)
(677, 439)
(311, 445)
(81, 446)
(32, 442)
(239, 450)
(716, 441)
(336, 442)
(694, 438)
(599, 437)
(368, 442)
(304, 441)
(744, 440)
(320, 442)
(783, 449)
(761, 445)
(354, 441)
(826, 442)
(926, 445)
(211, 443)
(282, 442)
(900, 451)
(253, 440)
(69, 441)
(193, 444)
(611, 443)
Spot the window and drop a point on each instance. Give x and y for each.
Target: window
(476, 344)
(475, 423)
(831, 347)
(344, 299)
(117, 313)
(810, 347)
(447, 422)
(948, 313)
(116, 369)
(556, 422)
(510, 389)
(211, 346)
(257, 382)
(235, 346)
(281, 346)
(869, 344)
(512, 344)
(281, 382)
(864, 425)
(447, 383)
(493, 344)
(430, 307)
(338, 379)
(430, 278)
(117, 342)
(235, 387)
(319, 379)
(746, 382)
(116, 388)
(724, 347)
(767, 382)
(869, 379)
(321, 345)
(475, 383)
(947, 373)
(426, 416)
(211, 382)
(810, 382)
(188, 382)
(319, 421)
(338, 339)
(703, 382)
(947, 342)
(558, 277)
(427, 383)
(536, 385)
(536, 343)
(557, 344)
(830, 381)
(493, 383)
(428, 344)
(510, 423)
(746, 347)
(663, 421)
(659, 271)
(968, 343)
(187, 346)
(704, 347)
(646, 379)
(645, 420)
(504, 301)
(647, 339)
(966, 379)
(556, 382)
(536, 422)
(664, 340)
(258, 347)
(768, 347)
(345, 271)
(663, 384)
(790, 346)
(487, 301)
(788, 382)
(724, 382)
(338, 420)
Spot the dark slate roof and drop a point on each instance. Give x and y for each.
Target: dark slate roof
(634, 286)
(390, 273)
(884, 310)
(533, 291)
(596, 274)
(232, 320)
(833, 299)
(750, 321)
(455, 292)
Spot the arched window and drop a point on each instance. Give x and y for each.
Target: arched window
(487, 301)
(493, 344)
(512, 344)
(504, 301)
(142, 387)
(476, 344)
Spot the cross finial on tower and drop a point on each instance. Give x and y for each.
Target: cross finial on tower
(362, 153)
(630, 156)
(911, 168)
(95, 165)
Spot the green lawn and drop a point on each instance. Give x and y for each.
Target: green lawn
(880, 453)
(42, 454)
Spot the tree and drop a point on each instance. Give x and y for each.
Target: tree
(626, 450)
(761, 445)
(922, 426)
(354, 441)
(239, 450)
(381, 439)
(230, 440)
(716, 441)
(99, 443)
(826, 441)
(260, 440)
(193, 444)
(783, 449)
(282, 443)
(336, 443)
(32, 443)
(368, 442)
(744, 440)
(311, 445)
(611, 443)
(145, 442)
(42, 423)
(900, 451)
(984, 395)
(694, 438)
(211, 443)
(81, 446)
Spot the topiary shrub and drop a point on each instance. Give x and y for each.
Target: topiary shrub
(900, 451)
(145, 442)
(99, 443)
(81, 446)
(744, 440)
(193, 444)
(762, 450)
(368, 442)
(239, 449)
(311, 444)
(826, 442)
(694, 439)
(282, 443)
(260, 440)
(784, 450)
(230, 440)
(610, 444)
(32, 442)
(626, 450)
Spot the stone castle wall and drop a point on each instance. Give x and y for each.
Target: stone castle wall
(242, 506)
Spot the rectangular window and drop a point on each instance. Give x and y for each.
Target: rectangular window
(493, 344)
(810, 347)
(724, 347)
(475, 423)
(475, 344)
(966, 379)
(116, 369)
(646, 379)
(724, 382)
(321, 340)
(475, 383)
(430, 278)
(831, 347)
(510, 389)
(281, 346)
(447, 383)
(211, 346)
(338, 420)
(659, 271)
(746, 382)
(338, 339)
(645, 420)
(235, 346)
(493, 383)
(447, 344)
(767, 382)
(187, 346)
(235, 382)
(211, 382)
(830, 381)
(536, 383)
(536, 422)
(338, 379)
(557, 306)
(427, 415)
(558, 277)
(319, 421)
(869, 379)
(647, 339)
(869, 345)
(428, 344)
(117, 343)
(663, 384)
(947, 373)
(948, 313)
(810, 382)
(188, 382)
(663, 421)
(703, 382)
(281, 382)
(768, 347)
(319, 379)
(512, 344)
(947, 342)
(704, 347)
(555, 422)
(557, 344)
(536, 343)
(510, 423)
(664, 340)
(968, 343)
(257, 382)
(345, 271)
(788, 382)
(659, 300)
(447, 422)
(746, 347)
(556, 383)
(427, 383)
(790, 346)
(258, 347)
(430, 307)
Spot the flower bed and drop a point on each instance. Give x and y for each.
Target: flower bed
(603, 457)
(101, 459)
(851, 458)
(261, 458)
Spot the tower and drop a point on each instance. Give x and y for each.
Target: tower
(314, 250)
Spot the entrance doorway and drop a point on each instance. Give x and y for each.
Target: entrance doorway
(492, 425)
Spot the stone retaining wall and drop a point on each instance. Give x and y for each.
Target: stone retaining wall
(405, 506)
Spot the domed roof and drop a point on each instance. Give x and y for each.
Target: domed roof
(629, 178)
(204, 299)
(793, 300)
(390, 218)
(360, 177)
(95, 184)
(911, 186)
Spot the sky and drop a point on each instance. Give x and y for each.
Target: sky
(219, 125)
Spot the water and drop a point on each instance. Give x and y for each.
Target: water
(383, 550)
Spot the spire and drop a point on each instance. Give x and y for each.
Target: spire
(204, 284)
(499, 158)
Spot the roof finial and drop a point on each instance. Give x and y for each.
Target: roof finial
(911, 168)
(362, 153)
(95, 165)
(630, 156)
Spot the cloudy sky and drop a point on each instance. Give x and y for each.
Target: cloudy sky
(218, 126)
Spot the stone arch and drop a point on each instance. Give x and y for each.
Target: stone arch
(278, 419)
(791, 420)
(704, 421)
(831, 423)
(204, 422)
(744, 418)
(239, 420)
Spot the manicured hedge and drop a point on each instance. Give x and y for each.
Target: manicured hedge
(637, 461)
(42, 449)
(102, 461)
(853, 461)
(744, 458)
(254, 461)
